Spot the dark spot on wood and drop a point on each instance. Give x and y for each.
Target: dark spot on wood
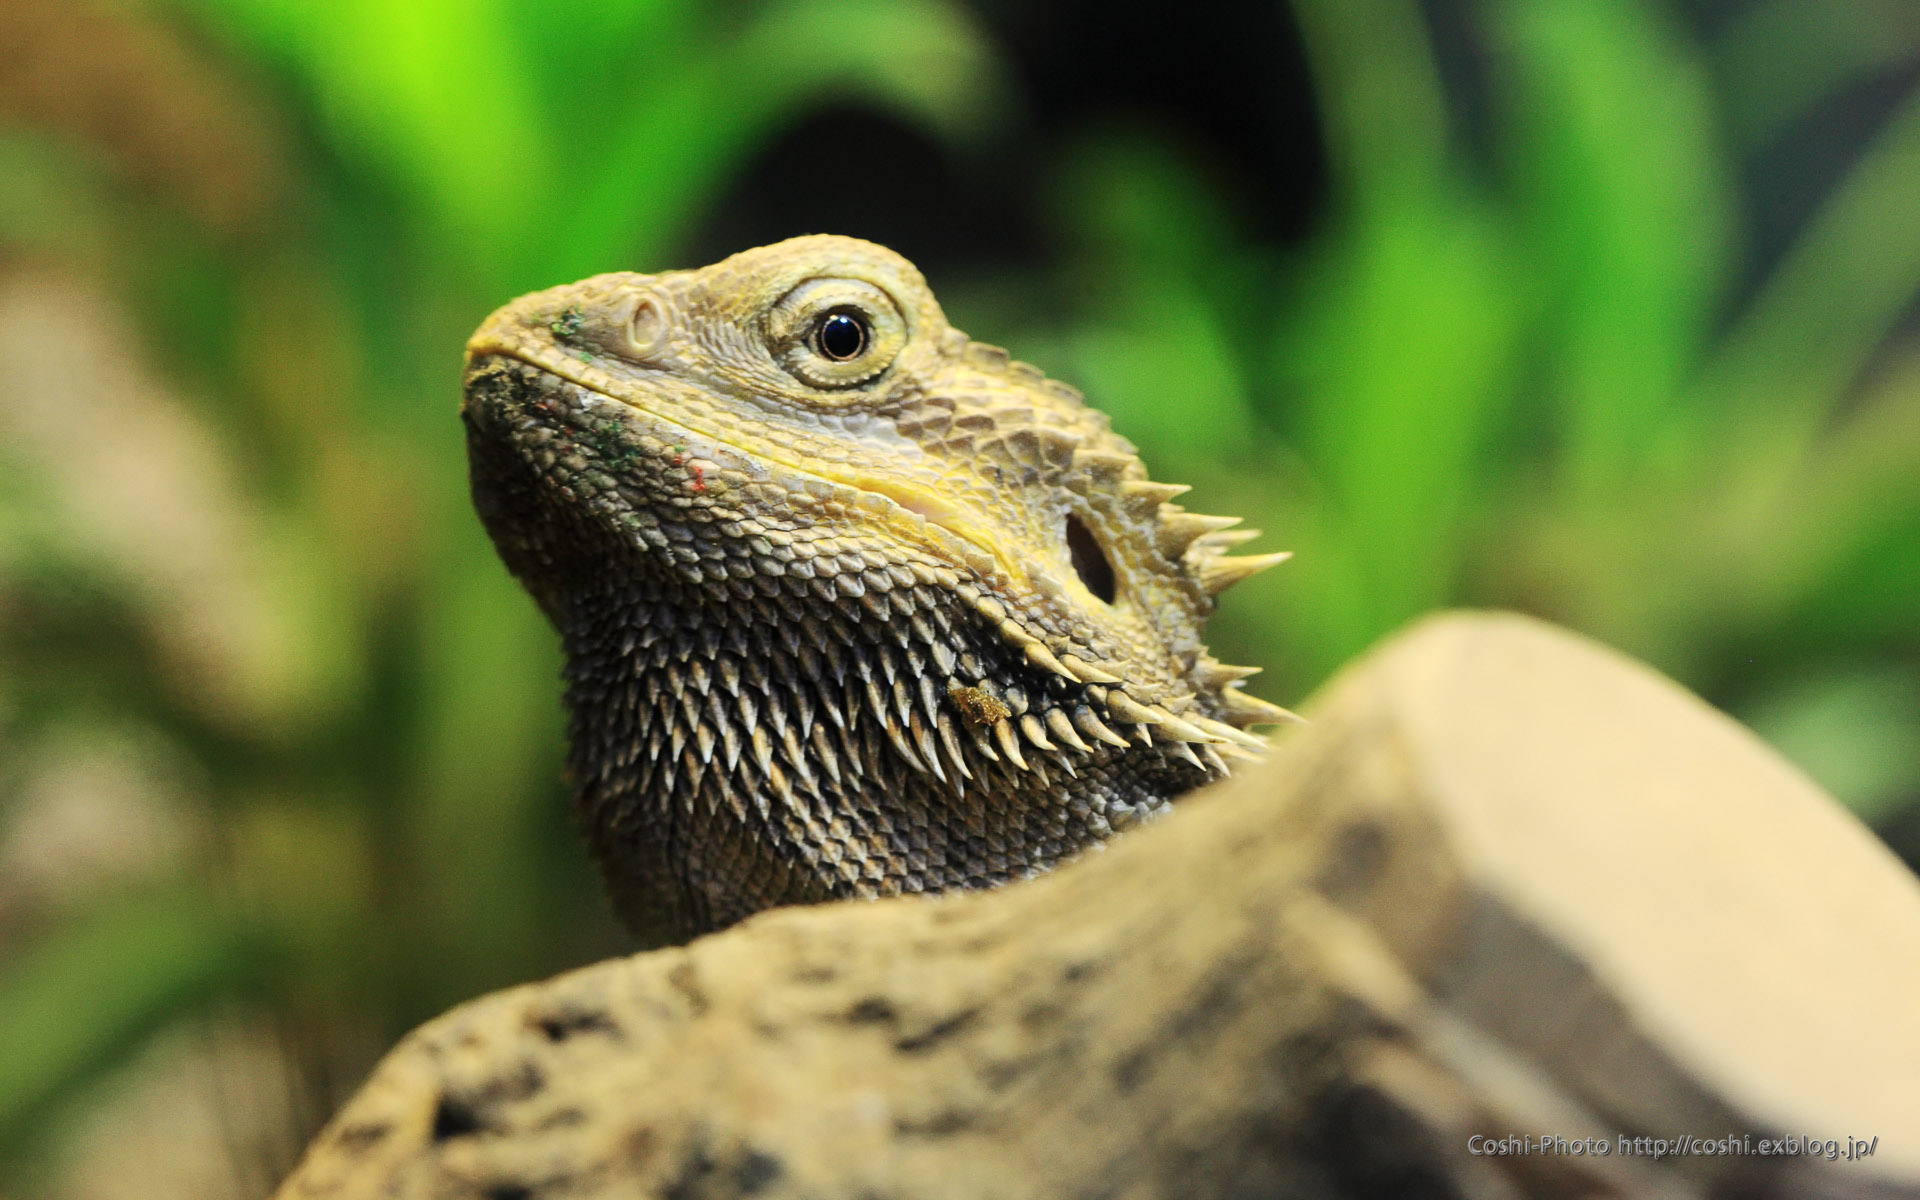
(872, 1010)
(508, 1191)
(916, 1042)
(565, 1118)
(1131, 1070)
(1219, 1001)
(816, 974)
(688, 1183)
(565, 1023)
(522, 1084)
(641, 1143)
(1086, 968)
(1305, 1055)
(1355, 861)
(1038, 1016)
(999, 1074)
(465, 1111)
(684, 978)
(454, 1117)
(756, 1170)
(1376, 1147)
(356, 1139)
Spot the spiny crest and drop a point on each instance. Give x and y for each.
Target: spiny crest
(1202, 541)
(859, 717)
(1198, 543)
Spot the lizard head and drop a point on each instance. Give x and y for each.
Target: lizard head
(797, 437)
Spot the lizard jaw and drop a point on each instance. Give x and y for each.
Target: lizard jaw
(506, 335)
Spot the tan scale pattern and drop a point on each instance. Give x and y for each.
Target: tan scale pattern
(825, 632)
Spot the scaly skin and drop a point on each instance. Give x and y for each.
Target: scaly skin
(911, 621)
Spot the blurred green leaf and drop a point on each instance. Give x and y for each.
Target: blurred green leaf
(72, 1001)
(1839, 551)
(1402, 368)
(1383, 113)
(1609, 137)
(49, 199)
(1403, 343)
(1782, 58)
(487, 760)
(593, 56)
(689, 125)
(435, 93)
(1856, 731)
(1156, 334)
(1807, 337)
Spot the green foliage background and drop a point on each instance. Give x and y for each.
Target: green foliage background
(1527, 356)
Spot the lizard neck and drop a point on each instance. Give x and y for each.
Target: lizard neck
(740, 747)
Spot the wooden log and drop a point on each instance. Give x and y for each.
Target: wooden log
(1506, 885)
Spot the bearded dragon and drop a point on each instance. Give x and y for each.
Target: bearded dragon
(851, 604)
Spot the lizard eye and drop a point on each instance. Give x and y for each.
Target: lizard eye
(835, 334)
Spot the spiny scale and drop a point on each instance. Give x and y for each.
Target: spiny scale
(869, 676)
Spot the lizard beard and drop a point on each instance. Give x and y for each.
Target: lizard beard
(734, 754)
(742, 741)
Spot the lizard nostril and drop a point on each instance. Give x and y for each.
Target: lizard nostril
(1089, 561)
(646, 328)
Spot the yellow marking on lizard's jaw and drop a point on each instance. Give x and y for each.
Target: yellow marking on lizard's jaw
(937, 511)
(513, 343)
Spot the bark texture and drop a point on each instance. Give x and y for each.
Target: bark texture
(1507, 883)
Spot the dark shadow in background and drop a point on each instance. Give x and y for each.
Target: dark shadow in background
(1228, 80)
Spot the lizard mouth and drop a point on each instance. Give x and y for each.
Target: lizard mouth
(972, 544)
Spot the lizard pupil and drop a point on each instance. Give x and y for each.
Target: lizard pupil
(841, 337)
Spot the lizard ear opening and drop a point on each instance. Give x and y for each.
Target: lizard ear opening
(1089, 560)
